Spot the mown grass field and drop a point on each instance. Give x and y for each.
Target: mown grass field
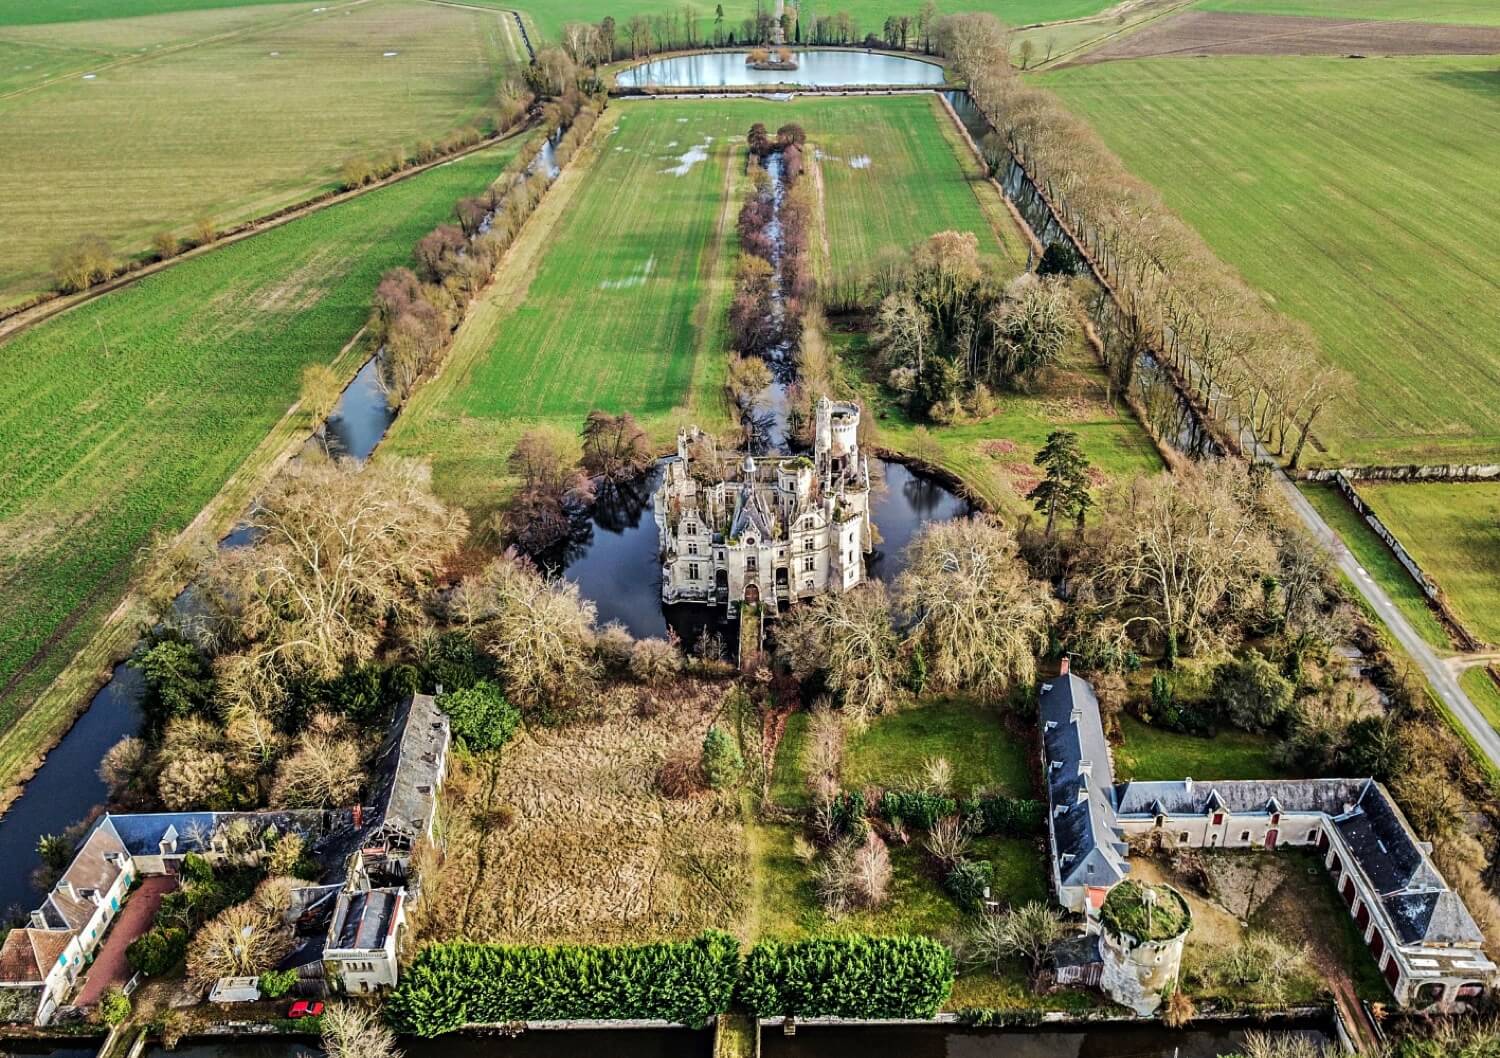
(616, 295)
(1460, 12)
(1358, 196)
(1453, 531)
(549, 16)
(32, 13)
(1146, 752)
(230, 113)
(124, 416)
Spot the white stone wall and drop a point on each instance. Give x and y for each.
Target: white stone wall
(1137, 974)
(1232, 832)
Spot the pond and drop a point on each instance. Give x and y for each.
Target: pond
(815, 68)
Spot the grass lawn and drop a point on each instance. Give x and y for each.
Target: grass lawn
(1377, 560)
(280, 96)
(1483, 692)
(993, 456)
(1147, 752)
(549, 16)
(126, 415)
(616, 295)
(1462, 12)
(1453, 531)
(1357, 197)
(892, 750)
(29, 12)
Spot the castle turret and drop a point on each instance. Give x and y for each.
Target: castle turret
(1141, 932)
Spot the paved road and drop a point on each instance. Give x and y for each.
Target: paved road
(1438, 674)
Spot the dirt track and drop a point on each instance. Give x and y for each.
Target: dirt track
(1214, 33)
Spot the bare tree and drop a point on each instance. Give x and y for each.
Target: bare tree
(246, 939)
(353, 1030)
(323, 771)
(979, 616)
(850, 638)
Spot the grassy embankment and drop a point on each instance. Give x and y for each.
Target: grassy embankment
(127, 415)
(1357, 197)
(281, 95)
(1453, 531)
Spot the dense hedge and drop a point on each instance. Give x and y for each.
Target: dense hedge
(916, 808)
(451, 985)
(847, 977)
(1015, 817)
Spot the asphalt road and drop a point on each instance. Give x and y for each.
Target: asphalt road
(1439, 676)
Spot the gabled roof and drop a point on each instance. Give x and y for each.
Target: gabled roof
(96, 867)
(1079, 779)
(28, 954)
(1184, 797)
(750, 512)
(409, 768)
(362, 921)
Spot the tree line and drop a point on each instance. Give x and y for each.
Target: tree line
(1168, 294)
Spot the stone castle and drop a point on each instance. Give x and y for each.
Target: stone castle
(773, 530)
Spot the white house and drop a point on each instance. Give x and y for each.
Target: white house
(364, 940)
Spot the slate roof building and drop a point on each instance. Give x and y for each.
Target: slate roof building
(349, 928)
(1420, 933)
(734, 528)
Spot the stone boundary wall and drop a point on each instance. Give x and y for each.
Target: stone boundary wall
(1346, 487)
(1428, 586)
(1411, 472)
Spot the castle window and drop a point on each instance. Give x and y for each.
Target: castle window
(692, 547)
(1244, 835)
(1182, 839)
(750, 564)
(807, 564)
(808, 584)
(692, 571)
(808, 545)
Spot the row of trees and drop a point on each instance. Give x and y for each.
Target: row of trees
(1244, 361)
(949, 331)
(416, 311)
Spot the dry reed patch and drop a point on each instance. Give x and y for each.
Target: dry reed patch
(565, 836)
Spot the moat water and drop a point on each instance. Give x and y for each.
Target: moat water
(816, 68)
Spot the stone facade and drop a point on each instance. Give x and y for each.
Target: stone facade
(1137, 972)
(735, 529)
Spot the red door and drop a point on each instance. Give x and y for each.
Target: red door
(1347, 891)
(1362, 917)
(1271, 838)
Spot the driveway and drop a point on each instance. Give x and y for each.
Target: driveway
(109, 966)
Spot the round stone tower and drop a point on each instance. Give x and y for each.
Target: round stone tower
(1141, 932)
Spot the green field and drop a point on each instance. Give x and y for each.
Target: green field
(1150, 753)
(1461, 12)
(127, 414)
(1358, 197)
(41, 12)
(230, 113)
(549, 16)
(1453, 531)
(1377, 560)
(1483, 692)
(616, 297)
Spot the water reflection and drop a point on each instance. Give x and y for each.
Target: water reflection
(816, 68)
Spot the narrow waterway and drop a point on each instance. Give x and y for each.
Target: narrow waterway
(67, 787)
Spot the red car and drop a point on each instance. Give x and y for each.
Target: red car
(305, 1008)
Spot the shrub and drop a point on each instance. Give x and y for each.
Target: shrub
(916, 808)
(166, 244)
(968, 882)
(453, 661)
(114, 1007)
(450, 985)
(856, 876)
(847, 813)
(480, 716)
(86, 262)
(849, 977)
(276, 983)
(681, 777)
(158, 950)
(655, 661)
(1013, 817)
(722, 763)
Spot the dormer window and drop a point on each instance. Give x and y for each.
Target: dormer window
(1218, 818)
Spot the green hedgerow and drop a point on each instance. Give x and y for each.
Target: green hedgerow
(916, 808)
(848, 977)
(456, 984)
(274, 984)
